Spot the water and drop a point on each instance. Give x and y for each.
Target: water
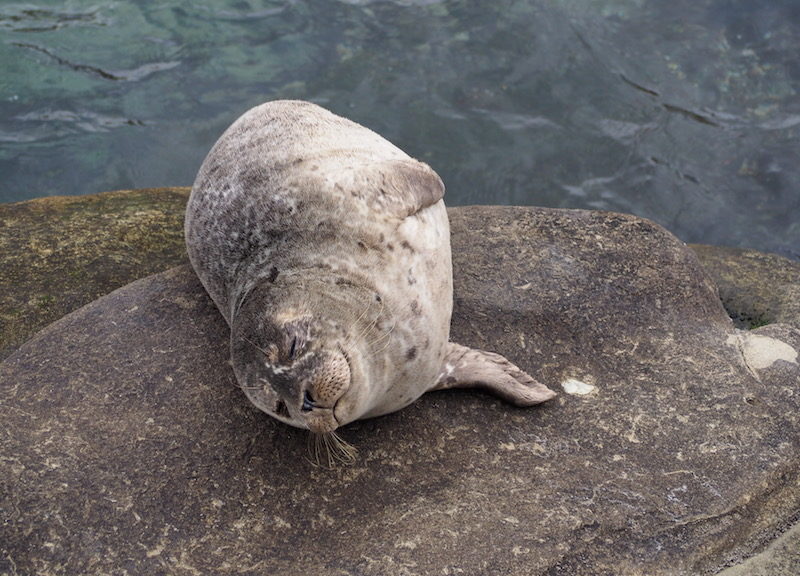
(685, 112)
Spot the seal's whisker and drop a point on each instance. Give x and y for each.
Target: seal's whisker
(328, 449)
(243, 387)
(372, 322)
(387, 336)
(327, 445)
(383, 336)
(253, 344)
(341, 450)
(364, 313)
(313, 448)
(356, 338)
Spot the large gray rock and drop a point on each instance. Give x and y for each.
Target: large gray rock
(127, 448)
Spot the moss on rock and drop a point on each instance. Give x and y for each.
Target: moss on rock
(59, 253)
(756, 288)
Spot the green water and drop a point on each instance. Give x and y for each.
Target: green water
(685, 112)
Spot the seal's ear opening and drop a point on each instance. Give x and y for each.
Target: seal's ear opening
(411, 185)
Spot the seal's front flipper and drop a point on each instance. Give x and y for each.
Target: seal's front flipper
(470, 368)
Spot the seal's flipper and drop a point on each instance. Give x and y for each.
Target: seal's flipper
(412, 186)
(471, 368)
(398, 186)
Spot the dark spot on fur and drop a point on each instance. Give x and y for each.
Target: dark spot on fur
(411, 279)
(415, 308)
(407, 246)
(250, 179)
(377, 297)
(412, 353)
(362, 245)
(390, 247)
(273, 274)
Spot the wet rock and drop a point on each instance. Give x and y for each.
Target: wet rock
(59, 253)
(671, 449)
(756, 288)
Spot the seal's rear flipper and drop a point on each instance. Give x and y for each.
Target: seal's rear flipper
(470, 368)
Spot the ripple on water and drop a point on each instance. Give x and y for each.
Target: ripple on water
(684, 116)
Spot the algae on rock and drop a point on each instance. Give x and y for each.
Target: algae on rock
(59, 253)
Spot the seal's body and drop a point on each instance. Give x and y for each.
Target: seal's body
(327, 250)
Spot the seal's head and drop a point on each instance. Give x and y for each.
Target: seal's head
(295, 363)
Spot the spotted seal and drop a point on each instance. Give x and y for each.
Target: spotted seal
(327, 250)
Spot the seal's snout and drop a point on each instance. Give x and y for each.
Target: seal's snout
(329, 382)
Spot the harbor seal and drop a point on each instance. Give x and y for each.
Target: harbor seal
(327, 250)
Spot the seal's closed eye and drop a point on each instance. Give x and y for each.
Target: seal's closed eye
(296, 335)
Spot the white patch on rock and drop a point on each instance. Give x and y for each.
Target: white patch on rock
(573, 386)
(761, 352)
(407, 544)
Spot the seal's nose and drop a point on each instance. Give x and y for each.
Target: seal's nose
(308, 402)
(328, 384)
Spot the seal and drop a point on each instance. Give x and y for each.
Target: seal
(327, 250)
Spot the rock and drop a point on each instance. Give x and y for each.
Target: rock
(59, 253)
(756, 288)
(672, 448)
(781, 558)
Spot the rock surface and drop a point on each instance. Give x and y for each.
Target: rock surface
(59, 253)
(781, 558)
(127, 448)
(756, 288)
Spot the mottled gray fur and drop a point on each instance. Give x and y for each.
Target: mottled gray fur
(327, 250)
